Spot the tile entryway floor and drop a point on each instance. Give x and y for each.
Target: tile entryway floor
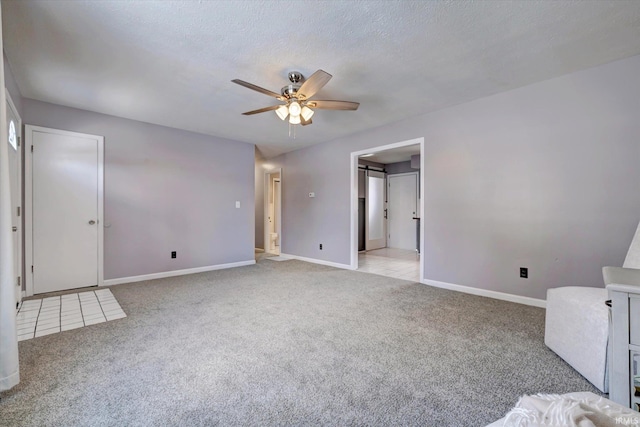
(390, 262)
(39, 317)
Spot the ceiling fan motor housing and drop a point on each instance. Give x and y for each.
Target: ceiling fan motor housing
(290, 91)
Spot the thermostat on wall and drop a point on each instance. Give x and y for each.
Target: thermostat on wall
(312, 194)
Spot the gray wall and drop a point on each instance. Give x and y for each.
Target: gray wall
(400, 167)
(259, 200)
(165, 190)
(544, 177)
(12, 87)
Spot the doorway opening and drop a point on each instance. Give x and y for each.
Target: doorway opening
(387, 195)
(273, 212)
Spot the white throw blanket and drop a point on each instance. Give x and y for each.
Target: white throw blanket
(569, 410)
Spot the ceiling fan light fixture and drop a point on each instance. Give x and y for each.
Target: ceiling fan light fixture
(306, 113)
(282, 112)
(294, 120)
(294, 109)
(296, 98)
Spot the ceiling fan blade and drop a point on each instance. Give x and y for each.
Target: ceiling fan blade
(333, 105)
(304, 122)
(258, 88)
(262, 110)
(314, 83)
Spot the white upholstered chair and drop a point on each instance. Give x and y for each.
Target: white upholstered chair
(577, 320)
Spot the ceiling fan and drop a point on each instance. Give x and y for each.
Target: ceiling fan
(295, 96)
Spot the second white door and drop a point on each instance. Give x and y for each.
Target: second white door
(403, 208)
(66, 187)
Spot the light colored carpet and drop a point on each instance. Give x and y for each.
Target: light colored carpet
(289, 343)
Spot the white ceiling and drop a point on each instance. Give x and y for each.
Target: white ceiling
(172, 62)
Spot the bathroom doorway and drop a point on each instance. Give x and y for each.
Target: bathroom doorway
(273, 212)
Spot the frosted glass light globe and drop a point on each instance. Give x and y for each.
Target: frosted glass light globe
(294, 108)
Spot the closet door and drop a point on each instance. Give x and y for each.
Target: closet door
(66, 210)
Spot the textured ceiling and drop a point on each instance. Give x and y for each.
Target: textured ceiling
(171, 63)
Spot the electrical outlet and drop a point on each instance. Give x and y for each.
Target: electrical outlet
(320, 246)
(524, 272)
(173, 254)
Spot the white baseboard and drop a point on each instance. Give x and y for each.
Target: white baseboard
(109, 282)
(318, 261)
(258, 250)
(535, 302)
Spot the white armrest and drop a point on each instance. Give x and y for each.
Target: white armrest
(621, 276)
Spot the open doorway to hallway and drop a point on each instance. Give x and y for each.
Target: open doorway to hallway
(386, 207)
(273, 210)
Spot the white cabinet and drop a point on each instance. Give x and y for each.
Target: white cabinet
(624, 345)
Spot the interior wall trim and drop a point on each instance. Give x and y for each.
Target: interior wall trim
(132, 279)
(535, 302)
(318, 261)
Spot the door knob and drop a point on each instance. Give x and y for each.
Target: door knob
(92, 222)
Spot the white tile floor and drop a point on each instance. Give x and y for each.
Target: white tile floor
(278, 258)
(39, 317)
(390, 262)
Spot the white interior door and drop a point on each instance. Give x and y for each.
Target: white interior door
(403, 207)
(376, 225)
(66, 212)
(15, 174)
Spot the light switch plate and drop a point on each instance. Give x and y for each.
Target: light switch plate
(237, 204)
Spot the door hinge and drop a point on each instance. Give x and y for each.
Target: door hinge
(32, 148)
(19, 141)
(19, 283)
(18, 210)
(32, 268)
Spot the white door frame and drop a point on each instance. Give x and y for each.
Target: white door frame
(20, 150)
(395, 175)
(354, 197)
(267, 184)
(28, 208)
